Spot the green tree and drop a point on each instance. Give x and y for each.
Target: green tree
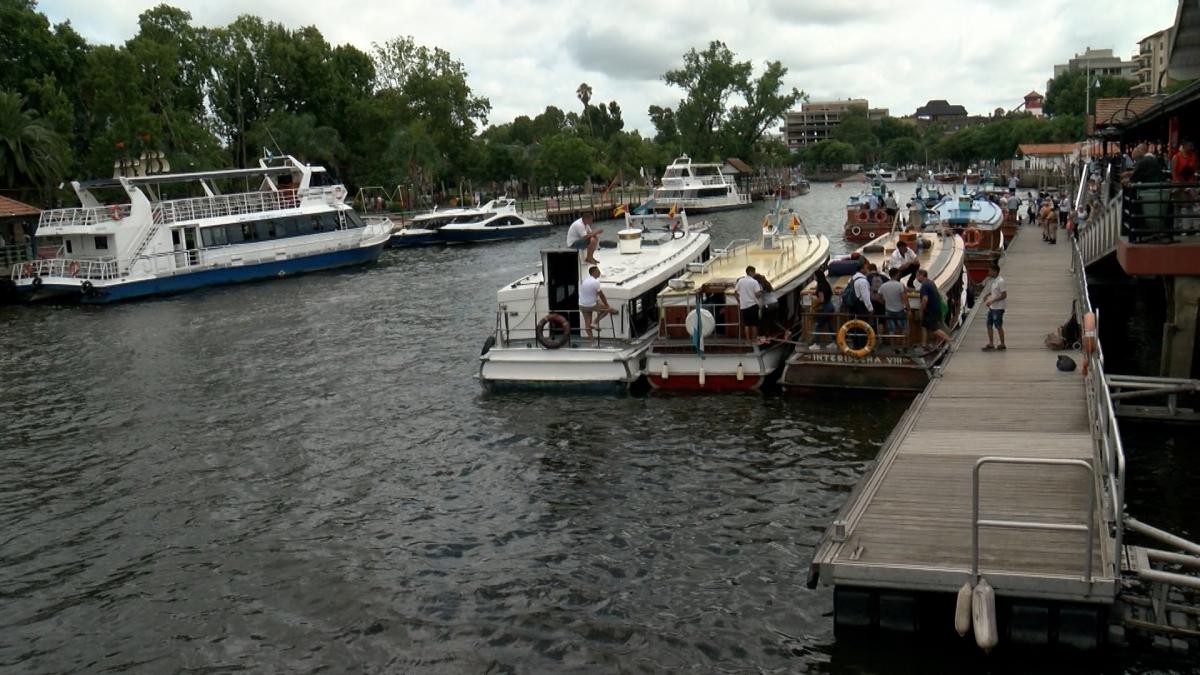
(31, 153)
(902, 151)
(707, 125)
(565, 159)
(856, 130)
(830, 154)
(1067, 92)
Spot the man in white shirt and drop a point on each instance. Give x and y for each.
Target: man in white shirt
(895, 299)
(1012, 184)
(904, 259)
(864, 310)
(749, 293)
(592, 303)
(581, 237)
(997, 296)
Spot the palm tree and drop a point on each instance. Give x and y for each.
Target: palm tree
(584, 92)
(31, 153)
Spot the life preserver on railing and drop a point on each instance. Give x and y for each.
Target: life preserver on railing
(861, 216)
(115, 212)
(862, 351)
(73, 268)
(87, 288)
(27, 270)
(37, 282)
(880, 217)
(972, 237)
(856, 230)
(560, 322)
(1089, 333)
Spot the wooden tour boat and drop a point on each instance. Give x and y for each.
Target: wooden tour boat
(894, 358)
(862, 222)
(719, 357)
(978, 220)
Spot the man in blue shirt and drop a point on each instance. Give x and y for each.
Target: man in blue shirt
(931, 309)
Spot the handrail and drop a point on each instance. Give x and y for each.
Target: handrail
(1106, 432)
(976, 522)
(74, 268)
(510, 334)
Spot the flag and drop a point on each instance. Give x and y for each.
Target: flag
(674, 209)
(645, 207)
(619, 211)
(766, 223)
(795, 222)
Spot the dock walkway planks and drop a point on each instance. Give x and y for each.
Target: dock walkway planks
(908, 523)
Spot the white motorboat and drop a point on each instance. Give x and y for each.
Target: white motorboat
(880, 173)
(163, 233)
(496, 220)
(698, 188)
(539, 337)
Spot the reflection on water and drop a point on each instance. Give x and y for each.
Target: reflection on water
(305, 474)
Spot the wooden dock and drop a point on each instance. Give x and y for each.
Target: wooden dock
(908, 524)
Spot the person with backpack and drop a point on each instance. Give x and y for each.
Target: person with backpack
(856, 301)
(931, 309)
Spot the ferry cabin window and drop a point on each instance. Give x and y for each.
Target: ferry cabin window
(101, 243)
(213, 236)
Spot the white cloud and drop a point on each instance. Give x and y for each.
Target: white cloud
(526, 54)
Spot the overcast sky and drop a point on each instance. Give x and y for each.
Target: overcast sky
(524, 55)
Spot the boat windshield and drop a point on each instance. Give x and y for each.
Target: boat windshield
(469, 218)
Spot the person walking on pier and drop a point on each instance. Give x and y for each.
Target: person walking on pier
(1049, 222)
(996, 298)
(581, 237)
(1064, 210)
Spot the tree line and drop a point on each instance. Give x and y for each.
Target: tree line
(400, 113)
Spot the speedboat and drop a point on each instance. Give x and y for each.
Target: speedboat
(698, 188)
(539, 336)
(701, 344)
(862, 222)
(800, 186)
(979, 221)
(164, 233)
(494, 221)
(892, 358)
(882, 174)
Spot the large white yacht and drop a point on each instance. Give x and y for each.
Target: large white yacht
(539, 337)
(697, 188)
(142, 235)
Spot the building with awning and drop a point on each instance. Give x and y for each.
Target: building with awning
(18, 221)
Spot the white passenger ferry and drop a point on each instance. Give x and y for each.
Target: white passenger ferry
(698, 188)
(539, 336)
(158, 234)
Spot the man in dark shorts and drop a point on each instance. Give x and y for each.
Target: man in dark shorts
(995, 299)
(931, 308)
(749, 294)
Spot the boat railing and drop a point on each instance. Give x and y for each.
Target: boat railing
(219, 206)
(84, 216)
(1160, 212)
(10, 255)
(75, 268)
(822, 328)
(608, 329)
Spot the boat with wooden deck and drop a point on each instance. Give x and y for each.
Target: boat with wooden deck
(539, 336)
(862, 222)
(978, 220)
(701, 343)
(894, 358)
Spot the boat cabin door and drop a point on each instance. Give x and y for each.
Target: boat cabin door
(560, 269)
(183, 242)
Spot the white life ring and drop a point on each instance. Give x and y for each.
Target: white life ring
(856, 230)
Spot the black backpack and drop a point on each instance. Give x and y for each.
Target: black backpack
(850, 300)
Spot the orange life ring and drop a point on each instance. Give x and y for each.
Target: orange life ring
(73, 268)
(27, 270)
(880, 217)
(560, 322)
(972, 237)
(1089, 333)
(861, 216)
(862, 351)
(115, 212)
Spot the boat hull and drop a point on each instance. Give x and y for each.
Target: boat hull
(516, 367)
(411, 240)
(720, 370)
(825, 370)
(103, 293)
(863, 231)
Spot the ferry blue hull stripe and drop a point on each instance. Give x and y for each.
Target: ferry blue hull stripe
(217, 277)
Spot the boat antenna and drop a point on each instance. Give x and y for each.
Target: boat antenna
(272, 137)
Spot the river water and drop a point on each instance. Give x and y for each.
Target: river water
(304, 474)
